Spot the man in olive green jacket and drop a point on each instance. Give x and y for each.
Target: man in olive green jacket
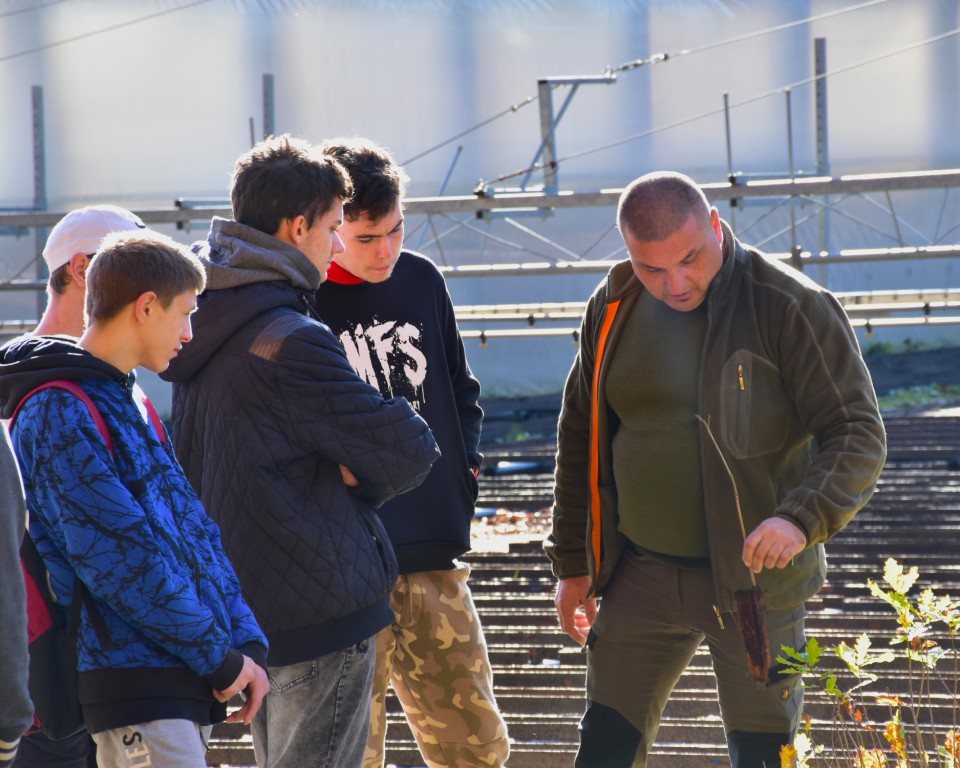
(718, 425)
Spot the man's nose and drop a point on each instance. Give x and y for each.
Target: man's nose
(676, 282)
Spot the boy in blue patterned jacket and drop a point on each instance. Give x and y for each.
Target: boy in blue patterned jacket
(165, 637)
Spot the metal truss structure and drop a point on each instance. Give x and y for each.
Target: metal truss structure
(936, 305)
(497, 232)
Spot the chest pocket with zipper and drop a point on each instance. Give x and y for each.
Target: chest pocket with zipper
(755, 411)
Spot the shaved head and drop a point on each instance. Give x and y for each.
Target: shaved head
(656, 205)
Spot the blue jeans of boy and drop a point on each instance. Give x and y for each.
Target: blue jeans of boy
(317, 713)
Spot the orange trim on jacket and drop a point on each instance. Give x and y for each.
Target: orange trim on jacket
(596, 538)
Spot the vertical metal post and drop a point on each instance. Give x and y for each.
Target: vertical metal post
(794, 247)
(548, 136)
(823, 144)
(548, 123)
(39, 187)
(730, 177)
(269, 113)
(555, 121)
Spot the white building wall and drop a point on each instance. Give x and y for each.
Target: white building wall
(149, 100)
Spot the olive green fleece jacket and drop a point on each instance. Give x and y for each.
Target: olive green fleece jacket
(788, 398)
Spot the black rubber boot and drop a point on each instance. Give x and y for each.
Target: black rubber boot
(607, 739)
(755, 750)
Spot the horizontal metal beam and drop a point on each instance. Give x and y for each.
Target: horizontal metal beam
(853, 184)
(806, 186)
(904, 295)
(605, 79)
(573, 334)
(16, 327)
(869, 324)
(602, 266)
(520, 333)
(23, 285)
(929, 303)
(923, 300)
(149, 216)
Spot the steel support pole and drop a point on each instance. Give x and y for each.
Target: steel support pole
(269, 111)
(730, 175)
(823, 143)
(39, 187)
(795, 248)
(548, 137)
(555, 121)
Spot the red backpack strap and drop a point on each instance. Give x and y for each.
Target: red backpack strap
(81, 594)
(75, 389)
(152, 414)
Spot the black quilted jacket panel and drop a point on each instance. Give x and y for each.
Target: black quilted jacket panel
(266, 406)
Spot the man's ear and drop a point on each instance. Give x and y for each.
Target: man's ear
(715, 225)
(79, 263)
(146, 303)
(292, 230)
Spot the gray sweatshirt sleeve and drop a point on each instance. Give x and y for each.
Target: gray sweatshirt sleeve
(16, 710)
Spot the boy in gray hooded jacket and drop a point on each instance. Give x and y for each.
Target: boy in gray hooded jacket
(292, 452)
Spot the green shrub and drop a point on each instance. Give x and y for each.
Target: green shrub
(906, 734)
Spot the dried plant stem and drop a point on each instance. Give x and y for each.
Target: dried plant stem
(751, 615)
(733, 483)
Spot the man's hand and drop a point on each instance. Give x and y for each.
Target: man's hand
(252, 683)
(576, 611)
(349, 479)
(773, 544)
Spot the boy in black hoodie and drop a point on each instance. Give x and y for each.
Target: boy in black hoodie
(393, 315)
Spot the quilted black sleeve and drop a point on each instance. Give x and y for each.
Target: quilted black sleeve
(385, 443)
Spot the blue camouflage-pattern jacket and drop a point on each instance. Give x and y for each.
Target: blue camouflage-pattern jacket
(172, 623)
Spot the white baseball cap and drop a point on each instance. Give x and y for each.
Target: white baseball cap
(81, 231)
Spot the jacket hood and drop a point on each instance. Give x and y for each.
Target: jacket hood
(221, 313)
(29, 361)
(235, 254)
(248, 273)
(621, 280)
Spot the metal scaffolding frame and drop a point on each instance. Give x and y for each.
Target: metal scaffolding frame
(913, 307)
(866, 309)
(824, 193)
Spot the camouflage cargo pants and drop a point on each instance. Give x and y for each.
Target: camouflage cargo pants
(435, 657)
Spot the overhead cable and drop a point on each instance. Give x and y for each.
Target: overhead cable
(96, 32)
(732, 105)
(656, 58)
(780, 27)
(510, 110)
(34, 7)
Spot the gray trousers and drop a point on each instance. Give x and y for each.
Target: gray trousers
(317, 714)
(652, 619)
(157, 744)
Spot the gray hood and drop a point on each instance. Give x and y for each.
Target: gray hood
(235, 254)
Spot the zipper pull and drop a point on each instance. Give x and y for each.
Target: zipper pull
(719, 617)
(740, 376)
